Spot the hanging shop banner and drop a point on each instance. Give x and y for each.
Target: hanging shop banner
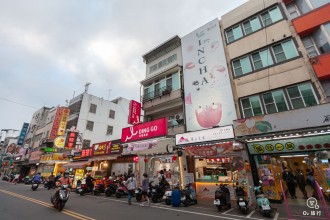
(141, 146)
(71, 140)
(208, 94)
(54, 157)
(56, 123)
(86, 153)
(134, 112)
(101, 148)
(35, 156)
(59, 142)
(146, 130)
(314, 116)
(212, 150)
(11, 149)
(63, 121)
(290, 145)
(22, 134)
(220, 133)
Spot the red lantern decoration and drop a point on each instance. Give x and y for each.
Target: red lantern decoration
(135, 159)
(145, 159)
(174, 158)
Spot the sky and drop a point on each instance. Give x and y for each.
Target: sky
(50, 49)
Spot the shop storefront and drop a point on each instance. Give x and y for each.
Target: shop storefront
(34, 158)
(149, 141)
(52, 163)
(213, 157)
(77, 166)
(298, 139)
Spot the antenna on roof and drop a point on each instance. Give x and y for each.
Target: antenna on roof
(86, 86)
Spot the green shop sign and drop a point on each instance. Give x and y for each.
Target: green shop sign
(50, 149)
(290, 145)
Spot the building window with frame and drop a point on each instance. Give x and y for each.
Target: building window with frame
(169, 82)
(284, 51)
(86, 143)
(274, 101)
(302, 96)
(242, 66)
(262, 59)
(271, 16)
(234, 34)
(92, 108)
(251, 25)
(112, 114)
(310, 46)
(90, 125)
(251, 106)
(293, 10)
(109, 130)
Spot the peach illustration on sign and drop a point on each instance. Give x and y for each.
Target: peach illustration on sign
(209, 116)
(189, 65)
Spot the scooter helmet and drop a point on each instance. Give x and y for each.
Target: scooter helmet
(145, 175)
(66, 174)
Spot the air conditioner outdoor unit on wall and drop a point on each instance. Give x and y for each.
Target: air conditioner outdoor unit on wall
(178, 116)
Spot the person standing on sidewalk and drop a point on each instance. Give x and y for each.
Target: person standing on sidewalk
(288, 177)
(131, 186)
(145, 187)
(301, 183)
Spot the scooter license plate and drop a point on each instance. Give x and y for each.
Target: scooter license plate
(265, 207)
(136, 191)
(241, 203)
(80, 190)
(216, 202)
(35, 185)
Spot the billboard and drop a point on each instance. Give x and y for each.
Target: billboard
(63, 121)
(209, 100)
(101, 148)
(56, 123)
(71, 140)
(146, 130)
(22, 134)
(134, 112)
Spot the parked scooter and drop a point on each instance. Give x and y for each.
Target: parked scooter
(138, 194)
(188, 195)
(98, 189)
(34, 186)
(222, 197)
(241, 199)
(61, 198)
(49, 185)
(111, 188)
(85, 189)
(122, 190)
(78, 186)
(157, 193)
(263, 202)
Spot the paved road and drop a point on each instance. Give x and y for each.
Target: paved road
(19, 201)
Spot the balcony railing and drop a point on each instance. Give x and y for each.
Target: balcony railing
(157, 93)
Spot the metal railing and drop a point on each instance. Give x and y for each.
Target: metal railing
(157, 93)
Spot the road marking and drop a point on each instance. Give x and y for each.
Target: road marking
(228, 211)
(251, 213)
(276, 216)
(67, 212)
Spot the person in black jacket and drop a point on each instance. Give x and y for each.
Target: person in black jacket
(89, 182)
(301, 183)
(288, 177)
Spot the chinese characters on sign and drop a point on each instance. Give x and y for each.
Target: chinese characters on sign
(134, 112)
(101, 148)
(86, 152)
(22, 134)
(64, 120)
(71, 140)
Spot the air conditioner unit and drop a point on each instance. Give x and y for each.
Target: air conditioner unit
(178, 116)
(172, 123)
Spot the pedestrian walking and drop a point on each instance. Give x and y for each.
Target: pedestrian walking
(145, 187)
(301, 183)
(131, 186)
(310, 180)
(289, 178)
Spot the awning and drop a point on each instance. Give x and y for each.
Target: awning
(158, 148)
(76, 165)
(104, 157)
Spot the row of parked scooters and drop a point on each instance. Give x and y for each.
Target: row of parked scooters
(222, 199)
(156, 192)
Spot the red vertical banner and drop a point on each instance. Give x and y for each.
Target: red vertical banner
(56, 123)
(134, 112)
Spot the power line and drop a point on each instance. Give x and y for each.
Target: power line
(18, 103)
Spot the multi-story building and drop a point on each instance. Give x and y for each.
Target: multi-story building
(311, 20)
(97, 119)
(280, 98)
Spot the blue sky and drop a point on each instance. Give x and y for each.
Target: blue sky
(50, 49)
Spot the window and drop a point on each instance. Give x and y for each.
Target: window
(86, 143)
(318, 3)
(242, 66)
(92, 108)
(284, 51)
(112, 114)
(301, 96)
(90, 125)
(262, 59)
(251, 106)
(310, 46)
(321, 41)
(157, 92)
(234, 34)
(271, 16)
(169, 82)
(251, 25)
(293, 10)
(109, 130)
(274, 102)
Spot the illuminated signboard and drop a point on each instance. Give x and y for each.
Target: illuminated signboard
(71, 140)
(134, 112)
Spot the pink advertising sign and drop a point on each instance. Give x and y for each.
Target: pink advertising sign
(134, 112)
(146, 130)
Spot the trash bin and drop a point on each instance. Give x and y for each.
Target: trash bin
(176, 198)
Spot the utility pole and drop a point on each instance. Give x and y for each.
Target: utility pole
(109, 94)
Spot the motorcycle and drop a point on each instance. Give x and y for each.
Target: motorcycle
(49, 185)
(138, 194)
(34, 186)
(263, 202)
(242, 202)
(27, 180)
(85, 189)
(222, 197)
(98, 189)
(111, 189)
(188, 195)
(61, 198)
(5, 178)
(122, 190)
(157, 193)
